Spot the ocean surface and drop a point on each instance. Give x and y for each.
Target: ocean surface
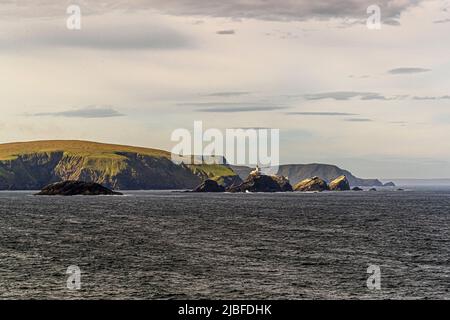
(174, 245)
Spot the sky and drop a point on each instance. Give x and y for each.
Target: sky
(375, 102)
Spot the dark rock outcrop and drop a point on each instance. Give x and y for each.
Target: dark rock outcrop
(373, 189)
(357, 189)
(312, 184)
(228, 181)
(73, 188)
(389, 184)
(263, 183)
(209, 186)
(284, 183)
(340, 184)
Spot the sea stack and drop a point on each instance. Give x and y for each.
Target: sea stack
(74, 188)
(312, 184)
(340, 184)
(258, 182)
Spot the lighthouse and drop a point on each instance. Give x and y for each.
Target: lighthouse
(256, 172)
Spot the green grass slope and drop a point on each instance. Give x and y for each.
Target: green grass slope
(31, 165)
(10, 151)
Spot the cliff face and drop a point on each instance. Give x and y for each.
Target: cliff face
(127, 171)
(300, 172)
(33, 165)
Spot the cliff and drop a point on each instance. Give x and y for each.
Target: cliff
(33, 165)
(300, 172)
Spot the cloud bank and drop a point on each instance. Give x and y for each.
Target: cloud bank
(87, 112)
(287, 10)
(407, 70)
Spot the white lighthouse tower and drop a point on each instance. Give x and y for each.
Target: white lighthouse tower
(256, 172)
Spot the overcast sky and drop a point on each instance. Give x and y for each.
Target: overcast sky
(376, 102)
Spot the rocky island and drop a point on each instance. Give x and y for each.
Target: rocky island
(258, 182)
(73, 188)
(340, 184)
(312, 184)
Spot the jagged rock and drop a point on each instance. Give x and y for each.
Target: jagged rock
(209, 186)
(228, 181)
(312, 184)
(72, 188)
(340, 184)
(263, 183)
(389, 184)
(284, 183)
(357, 189)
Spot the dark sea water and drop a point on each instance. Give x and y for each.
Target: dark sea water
(173, 245)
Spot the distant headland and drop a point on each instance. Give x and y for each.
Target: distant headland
(34, 165)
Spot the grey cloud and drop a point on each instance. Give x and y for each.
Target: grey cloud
(358, 120)
(229, 107)
(226, 32)
(228, 94)
(102, 35)
(87, 112)
(391, 22)
(138, 39)
(347, 95)
(252, 128)
(442, 21)
(331, 114)
(235, 9)
(407, 70)
(359, 77)
(240, 109)
(431, 98)
(279, 10)
(365, 96)
(400, 123)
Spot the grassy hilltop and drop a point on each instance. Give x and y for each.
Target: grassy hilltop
(31, 165)
(9, 151)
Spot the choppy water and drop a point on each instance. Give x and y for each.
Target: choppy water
(159, 245)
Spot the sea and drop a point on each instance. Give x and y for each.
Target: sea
(387, 244)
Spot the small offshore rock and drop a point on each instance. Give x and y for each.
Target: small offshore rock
(73, 188)
(209, 186)
(312, 184)
(340, 184)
